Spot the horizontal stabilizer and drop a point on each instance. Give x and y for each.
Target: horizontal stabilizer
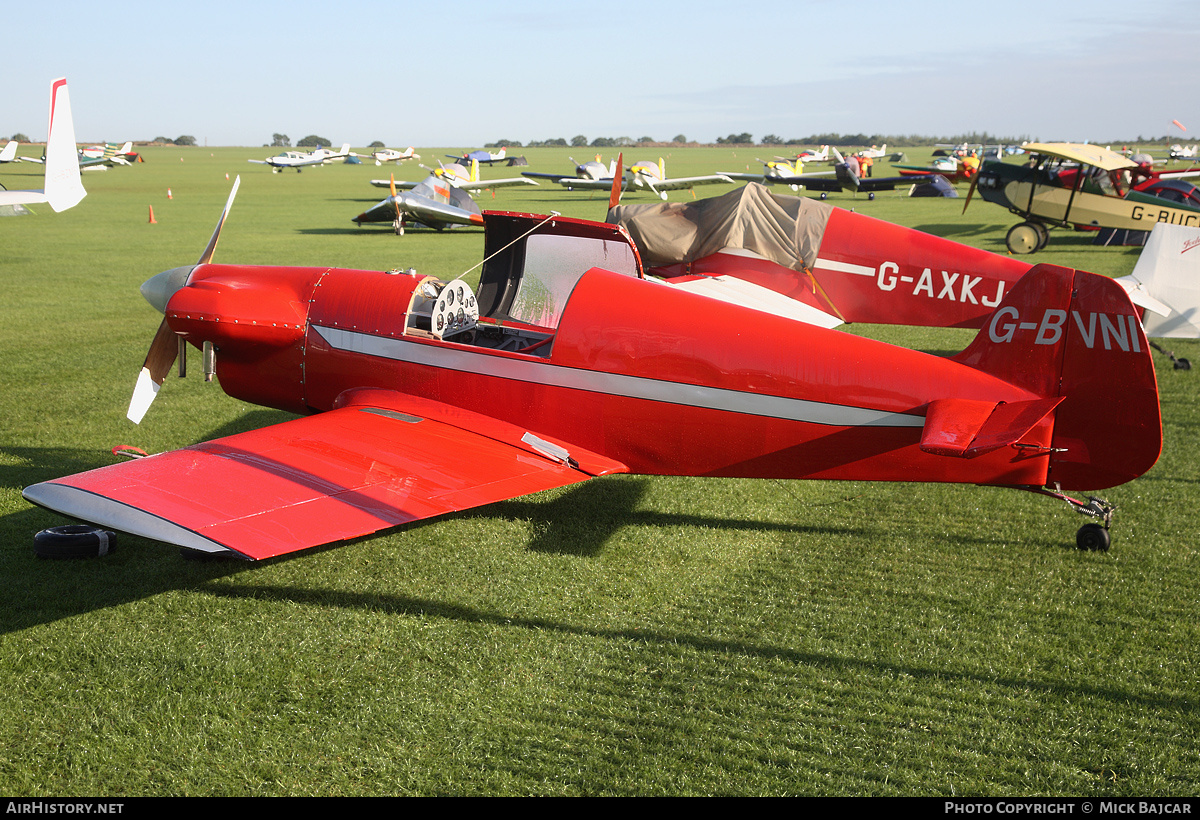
(1166, 282)
(965, 428)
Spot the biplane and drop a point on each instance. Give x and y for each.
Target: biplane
(420, 394)
(1073, 185)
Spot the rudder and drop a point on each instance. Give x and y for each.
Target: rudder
(1076, 335)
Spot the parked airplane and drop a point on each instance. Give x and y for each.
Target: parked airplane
(301, 159)
(846, 178)
(773, 171)
(593, 169)
(109, 154)
(814, 155)
(644, 176)
(954, 169)
(441, 200)
(855, 268)
(1073, 184)
(483, 157)
(392, 155)
(422, 396)
(62, 188)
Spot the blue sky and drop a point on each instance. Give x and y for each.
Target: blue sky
(470, 72)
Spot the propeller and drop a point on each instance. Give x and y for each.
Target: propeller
(166, 346)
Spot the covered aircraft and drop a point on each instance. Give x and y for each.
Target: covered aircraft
(421, 395)
(62, 188)
(854, 268)
(442, 200)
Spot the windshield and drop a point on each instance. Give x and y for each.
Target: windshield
(553, 264)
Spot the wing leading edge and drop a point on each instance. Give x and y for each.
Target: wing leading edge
(383, 460)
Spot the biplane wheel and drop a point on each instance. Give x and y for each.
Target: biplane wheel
(1183, 364)
(1023, 238)
(1043, 234)
(1093, 538)
(74, 541)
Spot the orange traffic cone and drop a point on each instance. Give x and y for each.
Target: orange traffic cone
(169, 194)
(153, 221)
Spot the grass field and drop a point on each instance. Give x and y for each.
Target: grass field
(629, 636)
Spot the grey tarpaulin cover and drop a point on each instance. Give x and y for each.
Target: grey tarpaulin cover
(785, 229)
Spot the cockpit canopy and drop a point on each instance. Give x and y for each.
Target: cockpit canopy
(532, 263)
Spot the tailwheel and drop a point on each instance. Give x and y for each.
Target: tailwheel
(1093, 538)
(1023, 238)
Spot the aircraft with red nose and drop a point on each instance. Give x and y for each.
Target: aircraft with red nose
(420, 395)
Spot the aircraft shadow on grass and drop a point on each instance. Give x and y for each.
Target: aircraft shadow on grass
(44, 591)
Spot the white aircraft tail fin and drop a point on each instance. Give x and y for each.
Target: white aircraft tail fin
(345, 149)
(1166, 282)
(64, 189)
(9, 153)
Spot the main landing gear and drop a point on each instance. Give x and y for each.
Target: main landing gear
(1027, 237)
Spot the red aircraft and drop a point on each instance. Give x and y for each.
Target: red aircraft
(845, 265)
(421, 395)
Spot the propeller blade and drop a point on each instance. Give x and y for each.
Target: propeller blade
(159, 360)
(165, 347)
(970, 192)
(614, 195)
(207, 256)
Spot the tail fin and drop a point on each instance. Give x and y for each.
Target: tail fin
(9, 154)
(1166, 282)
(1075, 335)
(64, 188)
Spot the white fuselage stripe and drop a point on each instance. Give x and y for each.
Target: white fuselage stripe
(613, 384)
(844, 267)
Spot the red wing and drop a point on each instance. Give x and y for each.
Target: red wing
(314, 480)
